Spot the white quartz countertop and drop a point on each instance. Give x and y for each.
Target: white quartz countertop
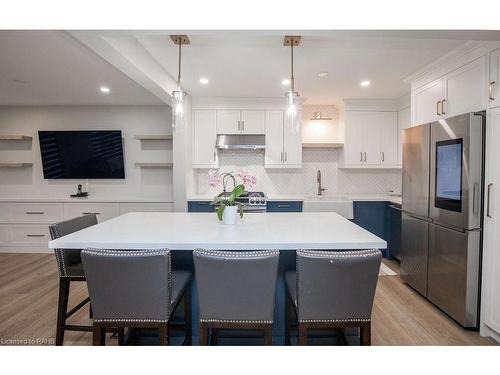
(188, 231)
(298, 197)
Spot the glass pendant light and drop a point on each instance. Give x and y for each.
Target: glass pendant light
(292, 95)
(178, 95)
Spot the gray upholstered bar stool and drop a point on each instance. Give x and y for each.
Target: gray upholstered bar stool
(70, 268)
(332, 289)
(135, 289)
(236, 290)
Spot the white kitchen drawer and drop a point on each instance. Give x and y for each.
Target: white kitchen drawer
(145, 207)
(32, 212)
(4, 234)
(104, 211)
(30, 234)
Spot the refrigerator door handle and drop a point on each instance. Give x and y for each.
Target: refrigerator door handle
(474, 198)
(488, 212)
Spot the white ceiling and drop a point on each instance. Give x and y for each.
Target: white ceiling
(254, 63)
(51, 68)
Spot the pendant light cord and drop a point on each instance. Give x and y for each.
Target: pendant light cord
(292, 79)
(179, 68)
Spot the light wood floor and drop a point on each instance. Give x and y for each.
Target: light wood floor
(29, 290)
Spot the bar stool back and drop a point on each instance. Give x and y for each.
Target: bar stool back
(135, 289)
(236, 289)
(334, 289)
(69, 264)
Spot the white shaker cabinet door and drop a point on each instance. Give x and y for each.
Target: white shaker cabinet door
(274, 139)
(494, 83)
(204, 138)
(373, 124)
(253, 122)
(491, 251)
(426, 102)
(228, 122)
(353, 148)
(292, 143)
(466, 89)
(389, 139)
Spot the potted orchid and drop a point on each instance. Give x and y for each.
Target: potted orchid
(227, 206)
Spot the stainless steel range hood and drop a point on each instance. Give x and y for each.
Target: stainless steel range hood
(240, 142)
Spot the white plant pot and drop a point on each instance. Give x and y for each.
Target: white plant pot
(229, 215)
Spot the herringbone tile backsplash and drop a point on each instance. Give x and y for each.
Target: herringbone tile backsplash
(303, 181)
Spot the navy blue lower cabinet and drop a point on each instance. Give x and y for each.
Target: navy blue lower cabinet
(372, 216)
(200, 206)
(284, 206)
(394, 237)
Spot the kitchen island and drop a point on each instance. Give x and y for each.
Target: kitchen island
(183, 232)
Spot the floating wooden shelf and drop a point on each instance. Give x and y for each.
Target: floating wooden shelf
(15, 165)
(9, 137)
(322, 145)
(153, 137)
(154, 165)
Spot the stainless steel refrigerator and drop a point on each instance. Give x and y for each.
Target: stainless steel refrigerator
(443, 175)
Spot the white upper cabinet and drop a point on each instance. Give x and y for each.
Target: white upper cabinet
(241, 122)
(389, 145)
(274, 139)
(465, 89)
(253, 122)
(371, 139)
(494, 84)
(229, 122)
(353, 147)
(404, 122)
(427, 102)
(204, 138)
(460, 91)
(283, 144)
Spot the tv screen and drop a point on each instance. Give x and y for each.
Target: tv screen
(82, 154)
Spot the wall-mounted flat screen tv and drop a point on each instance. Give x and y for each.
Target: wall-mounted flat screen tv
(82, 154)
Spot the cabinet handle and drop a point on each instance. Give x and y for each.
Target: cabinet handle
(215, 155)
(286, 156)
(361, 156)
(35, 235)
(437, 108)
(365, 156)
(442, 106)
(488, 213)
(492, 83)
(243, 125)
(383, 156)
(283, 206)
(91, 213)
(239, 125)
(34, 212)
(281, 156)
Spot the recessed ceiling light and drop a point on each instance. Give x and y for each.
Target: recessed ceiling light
(285, 82)
(322, 74)
(105, 90)
(203, 81)
(365, 83)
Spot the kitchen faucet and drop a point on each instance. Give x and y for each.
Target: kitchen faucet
(224, 181)
(318, 179)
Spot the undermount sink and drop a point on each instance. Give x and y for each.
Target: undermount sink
(325, 203)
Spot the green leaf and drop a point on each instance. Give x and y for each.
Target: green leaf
(237, 191)
(220, 211)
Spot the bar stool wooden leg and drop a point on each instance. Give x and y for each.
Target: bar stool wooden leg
(62, 309)
(187, 317)
(98, 335)
(163, 333)
(203, 334)
(366, 334)
(268, 335)
(302, 334)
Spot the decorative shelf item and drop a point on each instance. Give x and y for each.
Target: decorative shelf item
(153, 137)
(154, 165)
(322, 145)
(12, 137)
(15, 165)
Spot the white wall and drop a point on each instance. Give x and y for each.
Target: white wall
(139, 184)
(303, 181)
